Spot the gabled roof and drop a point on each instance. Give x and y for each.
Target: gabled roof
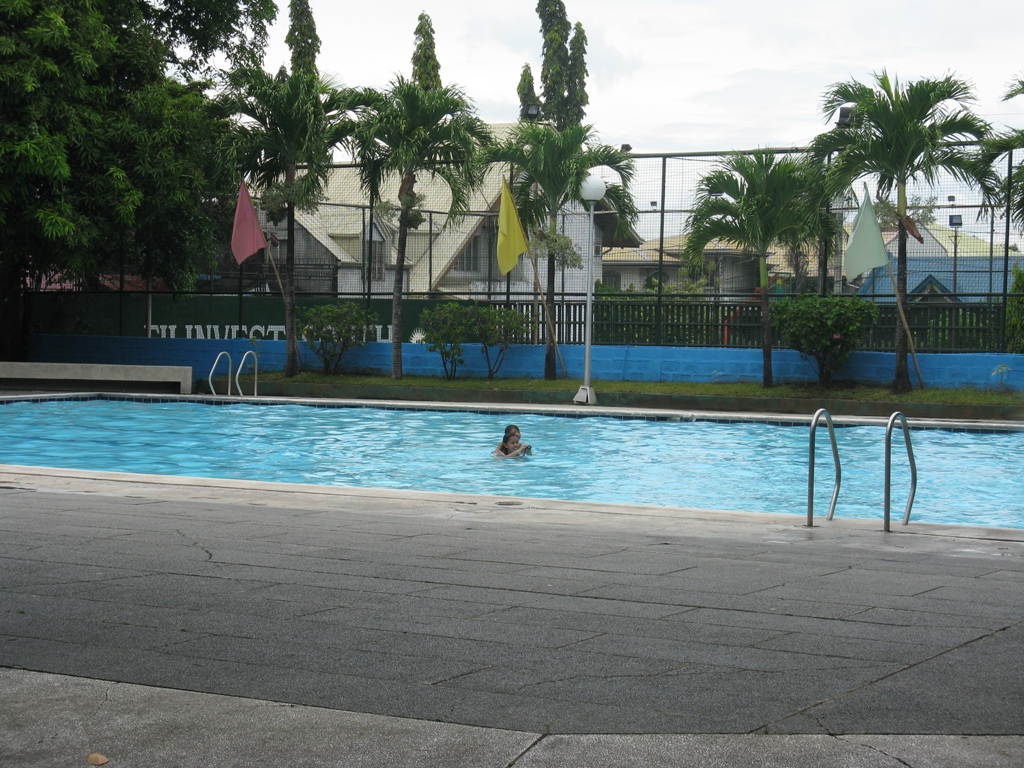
(338, 224)
(930, 265)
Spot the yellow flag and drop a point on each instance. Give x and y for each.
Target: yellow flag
(511, 238)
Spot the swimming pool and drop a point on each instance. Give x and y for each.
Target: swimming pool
(963, 477)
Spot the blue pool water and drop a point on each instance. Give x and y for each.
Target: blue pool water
(963, 477)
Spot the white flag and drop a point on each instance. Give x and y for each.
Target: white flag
(866, 249)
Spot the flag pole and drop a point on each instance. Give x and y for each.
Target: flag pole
(906, 325)
(277, 274)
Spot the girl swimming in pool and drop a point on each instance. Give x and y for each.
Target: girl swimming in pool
(510, 445)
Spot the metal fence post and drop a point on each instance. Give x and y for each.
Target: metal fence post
(661, 253)
(1006, 246)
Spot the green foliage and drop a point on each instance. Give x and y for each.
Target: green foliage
(526, 90)
(1001, 372)
(1015, 313)
(302, 39)
(410, 132)
(921, 210)
(288, 122)
(549, 168)
(576, 99)
(107, 161)
(545, 244)
(332, 329)
(825, 328)
(426, 69)
(555, 30)
(901, 133)
(758, 202)
(195, 30)
(563, 71)
(498, 327)
(446, 327)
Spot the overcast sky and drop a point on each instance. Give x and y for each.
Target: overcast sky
(676, 76)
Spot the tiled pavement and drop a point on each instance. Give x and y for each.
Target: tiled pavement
(165, 621)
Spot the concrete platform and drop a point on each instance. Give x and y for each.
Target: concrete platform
(167, 621)
(63, 377)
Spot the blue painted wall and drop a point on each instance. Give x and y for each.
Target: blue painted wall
(609, 363)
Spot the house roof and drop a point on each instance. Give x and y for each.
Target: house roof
(647, 255)
(979, 265)
(339, 223)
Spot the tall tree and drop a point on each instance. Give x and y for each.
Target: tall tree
(1007, 142)
(576, 99)
(426, 70)
(902, 133)
(289, 125)
(554, 71)
(196, 30)
(756, 202)
(548, 168)
(302, 39)
(106, 160)
(563, 68)
(527, 91)
(408, 133)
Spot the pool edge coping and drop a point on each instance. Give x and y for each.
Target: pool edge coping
(230, 491)
(571, 411)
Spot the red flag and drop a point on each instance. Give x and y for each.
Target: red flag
(247, 236)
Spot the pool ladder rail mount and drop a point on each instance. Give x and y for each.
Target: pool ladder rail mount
(241, 365)
(897, 416)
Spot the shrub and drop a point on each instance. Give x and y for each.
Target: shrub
(1015, 313)
(332, 329)
(497, 327)
(825, 328)
(445, 327)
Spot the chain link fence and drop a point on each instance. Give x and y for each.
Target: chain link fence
(958, 284)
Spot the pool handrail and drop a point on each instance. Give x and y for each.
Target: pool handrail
(888, 466)
(255, 372)
(821, 412)
(215, 362)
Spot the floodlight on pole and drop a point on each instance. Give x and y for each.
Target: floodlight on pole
(530, 112)
(592, 190)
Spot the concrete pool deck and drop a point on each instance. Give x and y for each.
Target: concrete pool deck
(160, 621)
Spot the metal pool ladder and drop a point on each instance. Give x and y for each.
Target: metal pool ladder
(821, 412)
(888, 466)
(241, 365)
(255, 372)
(214, 368)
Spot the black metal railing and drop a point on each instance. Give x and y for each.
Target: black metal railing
(639, 319)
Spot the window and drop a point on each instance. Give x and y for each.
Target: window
(474, 257)
(378, 252)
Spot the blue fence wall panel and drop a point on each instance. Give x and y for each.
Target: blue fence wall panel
(608, 363)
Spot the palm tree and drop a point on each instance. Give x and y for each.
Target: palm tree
(757, 202)
(408, 132)
(289, 125)
(902, 134)
(1007, 143)
(548, 168)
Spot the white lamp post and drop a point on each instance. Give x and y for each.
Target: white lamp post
(592, 190)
